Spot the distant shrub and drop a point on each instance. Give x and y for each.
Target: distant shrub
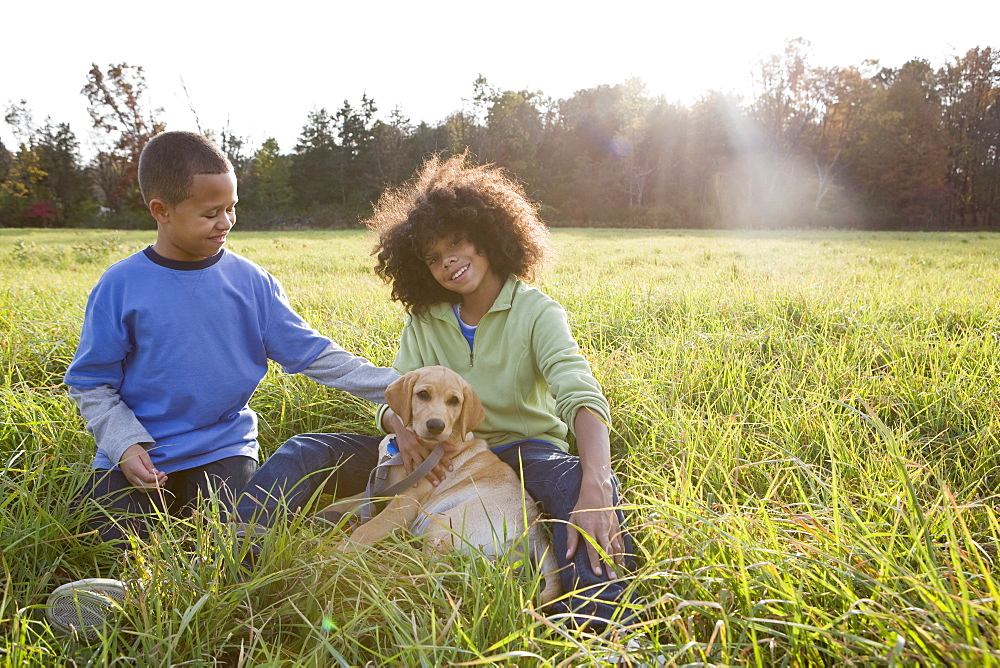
(61, 256)
(40, 214)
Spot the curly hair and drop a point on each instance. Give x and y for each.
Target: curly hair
(451, 198)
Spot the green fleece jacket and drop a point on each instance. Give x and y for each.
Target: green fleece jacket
(525, 365)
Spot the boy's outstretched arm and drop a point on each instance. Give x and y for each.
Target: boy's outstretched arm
(594, 513)
(339, 369)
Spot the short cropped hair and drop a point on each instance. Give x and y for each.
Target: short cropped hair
(453, 198)
(170, 161)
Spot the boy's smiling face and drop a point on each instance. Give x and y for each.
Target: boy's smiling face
(196, 228)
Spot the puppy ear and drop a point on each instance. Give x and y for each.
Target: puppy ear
(472, 410)
(399, 396)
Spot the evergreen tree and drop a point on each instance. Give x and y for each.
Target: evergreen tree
(314, 170)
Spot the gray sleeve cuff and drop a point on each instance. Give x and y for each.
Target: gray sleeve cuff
(113, 424)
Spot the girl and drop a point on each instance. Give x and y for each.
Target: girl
(454, 246)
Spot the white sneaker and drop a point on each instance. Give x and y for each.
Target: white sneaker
(84, 606)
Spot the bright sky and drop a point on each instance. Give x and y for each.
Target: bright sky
(261, 68)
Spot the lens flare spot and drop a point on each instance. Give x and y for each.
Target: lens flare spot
(621, 147)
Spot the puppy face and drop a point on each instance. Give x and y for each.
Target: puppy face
(436, 403)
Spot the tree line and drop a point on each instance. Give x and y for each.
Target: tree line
(863, 146)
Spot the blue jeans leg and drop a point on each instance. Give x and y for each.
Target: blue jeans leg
(553, 478)
(337, 464)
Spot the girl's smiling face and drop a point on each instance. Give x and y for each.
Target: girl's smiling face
(457, 265)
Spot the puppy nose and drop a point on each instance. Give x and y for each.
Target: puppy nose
(435, 426)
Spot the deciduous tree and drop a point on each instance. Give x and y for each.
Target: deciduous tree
(903, 164)
(970, 88)
(119, 107)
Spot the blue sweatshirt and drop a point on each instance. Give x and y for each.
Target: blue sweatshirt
(171, 352)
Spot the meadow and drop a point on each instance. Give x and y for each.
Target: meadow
(805, 429)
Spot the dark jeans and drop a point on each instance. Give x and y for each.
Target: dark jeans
(553, 478)
(124, 508)
(336, 464)
(339, 464)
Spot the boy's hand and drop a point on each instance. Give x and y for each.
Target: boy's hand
(139, 470)
(414, 452)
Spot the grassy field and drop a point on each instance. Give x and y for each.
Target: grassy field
(805, 425)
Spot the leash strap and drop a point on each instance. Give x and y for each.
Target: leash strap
(377, 480)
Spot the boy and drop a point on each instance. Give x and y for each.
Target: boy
(176, 339)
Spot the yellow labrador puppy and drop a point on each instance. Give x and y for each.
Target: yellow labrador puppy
(480, 504)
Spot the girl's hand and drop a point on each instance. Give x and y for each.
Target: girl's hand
(595, 516)
(414, 452)
(139, 470)
(594, 513)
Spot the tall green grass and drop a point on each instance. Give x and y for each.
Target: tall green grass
(805, 427)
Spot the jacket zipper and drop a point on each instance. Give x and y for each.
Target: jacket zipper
(475, 335)
(472, 348)
(472, 354)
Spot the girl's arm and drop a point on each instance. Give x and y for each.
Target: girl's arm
(581, 404)
(413, 450)
(594, 513)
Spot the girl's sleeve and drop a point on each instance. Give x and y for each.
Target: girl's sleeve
(409, 356)
(567, 372)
